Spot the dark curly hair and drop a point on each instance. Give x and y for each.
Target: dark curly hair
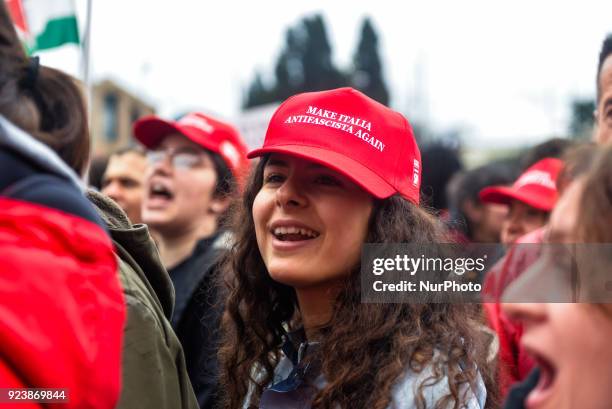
(604, 53)
(365, 348)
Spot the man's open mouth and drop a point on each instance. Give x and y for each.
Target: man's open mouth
(160, 191)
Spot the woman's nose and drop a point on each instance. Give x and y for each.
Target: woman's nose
(291, 193)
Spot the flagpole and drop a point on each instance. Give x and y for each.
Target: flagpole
(85, 75)
(85, 57)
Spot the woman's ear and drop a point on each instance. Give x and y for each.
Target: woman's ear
(219, 204)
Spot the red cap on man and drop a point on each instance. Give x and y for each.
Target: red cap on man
(212, 134)
(536, 187)
(352, 134)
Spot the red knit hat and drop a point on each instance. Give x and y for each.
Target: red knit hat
(209, 133)
(535, 187)
(352, 134)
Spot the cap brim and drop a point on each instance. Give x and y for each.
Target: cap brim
(505, 195)
(151, 130)
(361, 175)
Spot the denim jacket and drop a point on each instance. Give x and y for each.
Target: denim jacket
(295, 383)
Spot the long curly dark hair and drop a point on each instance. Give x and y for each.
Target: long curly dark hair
(366, 348)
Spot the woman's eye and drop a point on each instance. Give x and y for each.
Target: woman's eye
(534, 213)
(327, 180)
(274, 178)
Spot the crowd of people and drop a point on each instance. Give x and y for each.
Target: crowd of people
(202, 275)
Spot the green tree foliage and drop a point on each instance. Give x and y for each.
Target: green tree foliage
(581, 120)
(319, 70)
(257, 93)
(367, 75)
(306, 64)
(289, 69)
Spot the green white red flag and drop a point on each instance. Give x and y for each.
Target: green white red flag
(44, 24)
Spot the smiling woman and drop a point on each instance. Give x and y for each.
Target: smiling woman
(296, 332)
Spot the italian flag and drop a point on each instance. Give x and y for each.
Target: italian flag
(44, 24)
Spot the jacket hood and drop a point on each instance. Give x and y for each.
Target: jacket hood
(36, 152)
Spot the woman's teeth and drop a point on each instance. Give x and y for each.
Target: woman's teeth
(283, 231)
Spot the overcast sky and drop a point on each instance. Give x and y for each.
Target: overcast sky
(504, 72)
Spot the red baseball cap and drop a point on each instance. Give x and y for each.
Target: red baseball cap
(537, 187)
(352, 134)
(214, 135)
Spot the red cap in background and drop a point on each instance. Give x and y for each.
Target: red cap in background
(214, 135)
(536, 187)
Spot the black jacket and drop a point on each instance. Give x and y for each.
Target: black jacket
(197, 315)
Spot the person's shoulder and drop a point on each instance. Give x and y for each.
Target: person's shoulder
(135, 290)
(58, 258)
(114, 217)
